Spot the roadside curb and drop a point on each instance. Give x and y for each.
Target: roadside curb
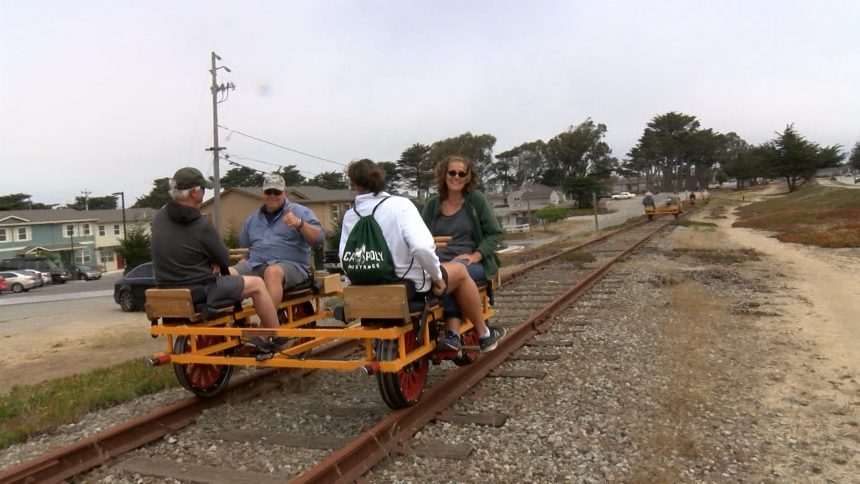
(55, 297)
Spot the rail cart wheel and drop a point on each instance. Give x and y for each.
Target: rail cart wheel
(302, 311)
(469, 338)
(201, 379)
(403, 388)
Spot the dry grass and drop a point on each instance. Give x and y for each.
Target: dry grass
(716, 256)
(690, 326)
(118, 340)
(578, 258)
(812, 215)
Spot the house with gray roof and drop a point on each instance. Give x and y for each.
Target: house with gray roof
(521, 203)
(70, 236)
(238, 203)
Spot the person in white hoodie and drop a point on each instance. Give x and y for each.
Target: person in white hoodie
(410, 242)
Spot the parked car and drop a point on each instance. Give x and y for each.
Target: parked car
(129, 290)
(85, 273)
(3, 285)
(623, 196)
(19, 282)
(41, 264)
(44, 277)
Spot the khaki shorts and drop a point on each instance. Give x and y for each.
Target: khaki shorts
(226, 289)
(293, 274)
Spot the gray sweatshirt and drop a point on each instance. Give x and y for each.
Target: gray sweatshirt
(184, 247)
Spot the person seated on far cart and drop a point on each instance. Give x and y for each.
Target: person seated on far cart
(648, 201)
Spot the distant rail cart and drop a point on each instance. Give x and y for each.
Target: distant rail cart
(672, 206)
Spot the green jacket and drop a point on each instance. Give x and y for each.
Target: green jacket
(485, 228)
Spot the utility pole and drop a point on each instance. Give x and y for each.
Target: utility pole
(86, 194)
(217, 89)
(122, 197)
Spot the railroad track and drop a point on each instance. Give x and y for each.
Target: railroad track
(365, 431)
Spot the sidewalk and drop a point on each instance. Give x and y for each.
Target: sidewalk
(54, 297)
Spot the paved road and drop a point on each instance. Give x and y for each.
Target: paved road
(63, 292)
(622, 211)
(56, 315)
(841, 182)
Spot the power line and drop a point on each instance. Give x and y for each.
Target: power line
(281, 146)
(230, 156)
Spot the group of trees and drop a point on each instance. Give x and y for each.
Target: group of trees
(578, 160)
(20, 201)
(24, 201)
(674, 153)
(414, 169)
(789, 156)
(243, 176)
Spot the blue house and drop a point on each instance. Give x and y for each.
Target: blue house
(69, 236)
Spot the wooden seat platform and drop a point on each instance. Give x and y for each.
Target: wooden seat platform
(179, 304)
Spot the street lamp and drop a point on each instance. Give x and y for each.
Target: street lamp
(122, 198)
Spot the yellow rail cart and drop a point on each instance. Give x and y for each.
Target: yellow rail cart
(398, 336)
(671, 207)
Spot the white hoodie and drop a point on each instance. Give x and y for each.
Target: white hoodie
(405, 233)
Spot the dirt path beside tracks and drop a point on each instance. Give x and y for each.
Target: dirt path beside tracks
(814, 389)
(43, 341)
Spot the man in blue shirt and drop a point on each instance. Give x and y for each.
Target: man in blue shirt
(279, 237)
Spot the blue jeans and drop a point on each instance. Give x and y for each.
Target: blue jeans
(449, 303)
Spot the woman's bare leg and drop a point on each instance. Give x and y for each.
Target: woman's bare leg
(466, 293)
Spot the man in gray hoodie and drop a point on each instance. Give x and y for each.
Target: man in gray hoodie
(187, 252)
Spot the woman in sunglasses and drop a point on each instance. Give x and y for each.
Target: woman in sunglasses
(462, 213)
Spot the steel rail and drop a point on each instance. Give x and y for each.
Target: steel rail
(362, 453)
(88, 452)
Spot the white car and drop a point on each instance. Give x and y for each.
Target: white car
(18, 282)
(623, 196)
(44, 277)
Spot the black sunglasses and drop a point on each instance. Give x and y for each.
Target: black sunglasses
(272, 191)
(461, 174)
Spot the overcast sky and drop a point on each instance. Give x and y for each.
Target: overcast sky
(107, 96)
